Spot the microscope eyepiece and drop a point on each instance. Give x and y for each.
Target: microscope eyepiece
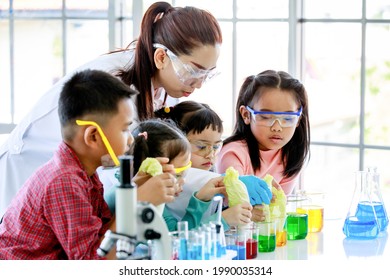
(126, 171)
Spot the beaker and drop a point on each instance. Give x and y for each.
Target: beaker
(313, 206)
(367, 215)
(296, 223)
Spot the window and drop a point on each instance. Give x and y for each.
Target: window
(41, 40)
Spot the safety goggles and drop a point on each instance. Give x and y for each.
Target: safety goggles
(204, 149)
(267, 118)
(186, 73)
(104, 138)
(182, 171)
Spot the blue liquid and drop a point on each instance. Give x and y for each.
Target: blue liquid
(219, 251)
(364, 225)
(195, 253)
(365, 210)
(241, 251)
(183, 249)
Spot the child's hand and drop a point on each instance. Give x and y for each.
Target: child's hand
(258, 213)
(158, 189)
(276, 184)
(213, 186)
(238, 215)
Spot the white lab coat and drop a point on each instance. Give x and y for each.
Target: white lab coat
(37, 136)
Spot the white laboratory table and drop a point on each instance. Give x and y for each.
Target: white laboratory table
(330, 244)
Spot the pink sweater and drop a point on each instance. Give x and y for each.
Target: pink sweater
(236, 154)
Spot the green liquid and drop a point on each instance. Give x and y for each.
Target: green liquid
(266, 243)
(297, 226)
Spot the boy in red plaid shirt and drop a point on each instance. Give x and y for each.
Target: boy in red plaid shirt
(60, 212)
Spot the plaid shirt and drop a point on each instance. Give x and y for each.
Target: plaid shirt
(59, 213)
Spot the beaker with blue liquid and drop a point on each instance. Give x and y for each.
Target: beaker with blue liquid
(367, 216)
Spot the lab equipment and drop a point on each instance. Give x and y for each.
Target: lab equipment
(137, 223)
(313, 206)
(266, 236)
(367, 216)
(297, 224)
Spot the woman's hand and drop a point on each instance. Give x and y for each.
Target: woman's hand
(169, 168)
(164, 184)
(158, 189)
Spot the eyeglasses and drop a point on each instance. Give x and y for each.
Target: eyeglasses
(267, 118)
(104, 138)
(181, 171)
(186, 73)
(204, 149)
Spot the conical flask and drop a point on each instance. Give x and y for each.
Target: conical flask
(367, 216)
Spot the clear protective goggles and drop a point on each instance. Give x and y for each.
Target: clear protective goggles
(204, 149)
(186, 73)
(268, 118)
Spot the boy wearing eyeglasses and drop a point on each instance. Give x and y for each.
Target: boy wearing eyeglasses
(60, 212)
(272, 131)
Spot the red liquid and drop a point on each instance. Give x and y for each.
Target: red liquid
(251, 248)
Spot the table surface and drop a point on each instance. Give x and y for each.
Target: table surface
(330, 244)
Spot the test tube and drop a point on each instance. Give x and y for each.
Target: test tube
(182, 228)
(207, 242)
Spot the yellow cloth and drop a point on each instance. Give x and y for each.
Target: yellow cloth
(277, 208)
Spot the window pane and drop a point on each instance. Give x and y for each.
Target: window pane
(332, 79)
(262, 9)
(127, 34)
(332, 9)
(332, 170)
(96, 8)
(378, 9)
(38, 8)
(4, 6)
(380, 159)
(218, 91)
(128, 8)
(86, 39)
(219, 8)
(37, 5)
(377, 123)
(268, 49)
(5, 78)
(38, 61)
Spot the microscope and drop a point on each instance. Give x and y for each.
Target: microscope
(141, 233)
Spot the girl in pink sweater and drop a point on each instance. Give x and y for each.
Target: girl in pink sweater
(272, 131)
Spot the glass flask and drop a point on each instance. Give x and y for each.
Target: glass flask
(367, 216)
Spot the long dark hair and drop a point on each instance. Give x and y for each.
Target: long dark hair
(180, 30)
(296, 151)
(192, 116)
